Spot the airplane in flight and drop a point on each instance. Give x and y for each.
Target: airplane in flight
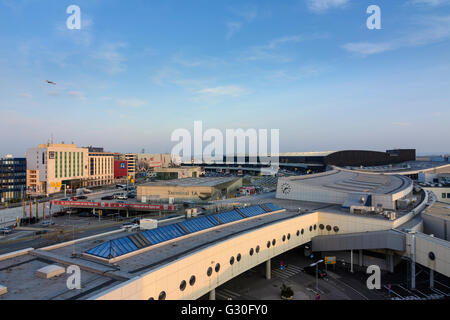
(51, 82)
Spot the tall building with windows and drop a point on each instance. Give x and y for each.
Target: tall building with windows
(52, 167)
(101, 167)
(13, 172)
(131, 159)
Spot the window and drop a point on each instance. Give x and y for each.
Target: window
(321, 226)
(183, 285)
(257, 249)
(217, 268)
(162, 296)
(289, 236)
(192, 281)
(56, 165)
(303, 231)
(65, 164)
(238, 257)
(274, 242)
(315, 227)
(268, 244)
(448, 195)
(310, 228)
(209, 272)
(336, 229)
(328, 228)
(443, 196)
(284, 238)
(251, 251)
(231, 260)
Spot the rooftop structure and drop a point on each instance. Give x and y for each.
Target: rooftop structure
(210, 188)
(346, 188)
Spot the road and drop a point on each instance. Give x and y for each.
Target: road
(10, 214)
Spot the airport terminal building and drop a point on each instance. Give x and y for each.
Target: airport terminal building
(367, 192)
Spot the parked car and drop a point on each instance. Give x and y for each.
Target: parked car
(108, 198)
(82, 197)
(129, 226)
(122, 197)
(74, 199)
(47, 223)
(5, 231)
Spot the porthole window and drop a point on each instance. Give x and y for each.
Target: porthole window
(268, 244)
(217, 268)
(336, 228)
(257, 249)
(192, 281)
(310, 228)
(328, 228)
(303, 231)
(162, 296)
(289, 236)
(238, 257)
(315, 227)
(298, 233)
(251, 251)
(274, 242)
(183, 285)
(151, 298)
(209, 272)
(321, 226)
(284, 238)
(232, 260)
(431, 255)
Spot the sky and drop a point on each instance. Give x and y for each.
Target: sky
(138, 70)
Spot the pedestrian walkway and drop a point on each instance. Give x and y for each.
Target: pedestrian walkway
(287, 272)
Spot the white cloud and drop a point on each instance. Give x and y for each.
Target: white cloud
(233, 91)
(402, 124)
(77, 94)
(367, 48)
(268, 51)
(131, 103)
(110, 57)
(24, 95)
(243, 15)
(320, 6)
(233, 27)
(433, 3)
(431, 29)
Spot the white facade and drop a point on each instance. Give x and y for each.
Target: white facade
(49, 166)
(336, 187)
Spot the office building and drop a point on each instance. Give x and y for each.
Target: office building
(13, 174)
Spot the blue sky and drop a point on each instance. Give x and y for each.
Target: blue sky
(137, 70)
